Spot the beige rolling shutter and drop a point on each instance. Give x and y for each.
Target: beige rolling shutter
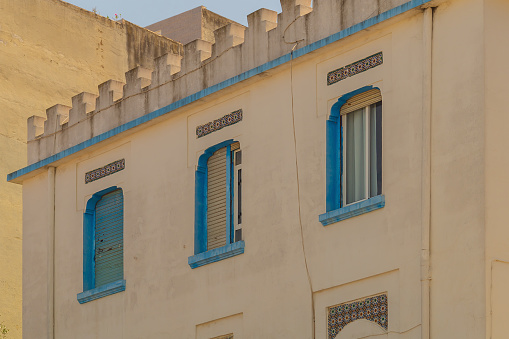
(216, 199)
(361, 100)
(235, 146)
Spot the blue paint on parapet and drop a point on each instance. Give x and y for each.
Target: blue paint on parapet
(220, 86)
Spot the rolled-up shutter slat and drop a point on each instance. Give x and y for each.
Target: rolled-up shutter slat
(361, 100)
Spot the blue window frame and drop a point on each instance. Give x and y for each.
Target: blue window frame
(354, 135)
(217, 235)
(103, 245)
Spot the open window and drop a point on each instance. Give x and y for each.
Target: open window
(218, 204)
(361, 122)
(354, 156)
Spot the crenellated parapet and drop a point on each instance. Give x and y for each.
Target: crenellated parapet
(237, 49)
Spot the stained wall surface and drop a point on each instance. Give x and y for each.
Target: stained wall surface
(268, 283)
(197, 23)
(294, 268)
(49, 52)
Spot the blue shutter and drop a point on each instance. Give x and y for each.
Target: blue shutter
(109, 238)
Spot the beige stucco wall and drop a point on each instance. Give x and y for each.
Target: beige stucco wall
(376, 252)
(458, 165)
(496, 27)
(49, 52)
(265, 292)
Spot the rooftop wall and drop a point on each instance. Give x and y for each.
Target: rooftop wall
(197, 23)
(237, 49)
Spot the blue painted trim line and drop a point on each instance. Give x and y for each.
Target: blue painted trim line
(216, 254)
(220, 86)
(352, 210)
(101, 291)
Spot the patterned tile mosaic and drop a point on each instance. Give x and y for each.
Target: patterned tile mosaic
(102, 172)
(355, 68)
(227, 120)
(373, 308)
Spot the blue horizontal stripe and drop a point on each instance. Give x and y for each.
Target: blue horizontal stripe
(220, 86)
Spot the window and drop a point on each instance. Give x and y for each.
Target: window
(218, 200)
(354, 156)
(103, 245)
(362, 147)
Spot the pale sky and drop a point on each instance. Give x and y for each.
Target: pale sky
(146, 12)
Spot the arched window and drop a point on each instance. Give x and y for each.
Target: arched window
(354, 155)
(218, 204)
(103, 245)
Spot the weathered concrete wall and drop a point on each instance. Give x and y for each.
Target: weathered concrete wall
(143, 46)
(175, 27)
(197, 23)
(50, 51)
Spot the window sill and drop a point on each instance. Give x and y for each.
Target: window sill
(216, 254)
(352, 210)
(101, 291)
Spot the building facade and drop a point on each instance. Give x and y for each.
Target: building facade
(50, 51)
(334, 171)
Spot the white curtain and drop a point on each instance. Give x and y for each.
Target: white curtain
(373, 177)
(355, 156)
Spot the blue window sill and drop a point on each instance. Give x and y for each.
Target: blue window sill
(352, 210)
(216, 254)
(101, 291)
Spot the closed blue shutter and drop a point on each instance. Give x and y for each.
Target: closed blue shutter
(109, 238)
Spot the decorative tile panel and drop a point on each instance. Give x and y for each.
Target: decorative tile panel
(227, 120)
(355, 68)
(102, 172)
(373, 309)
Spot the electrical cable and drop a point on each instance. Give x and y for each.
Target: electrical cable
(313, 310)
